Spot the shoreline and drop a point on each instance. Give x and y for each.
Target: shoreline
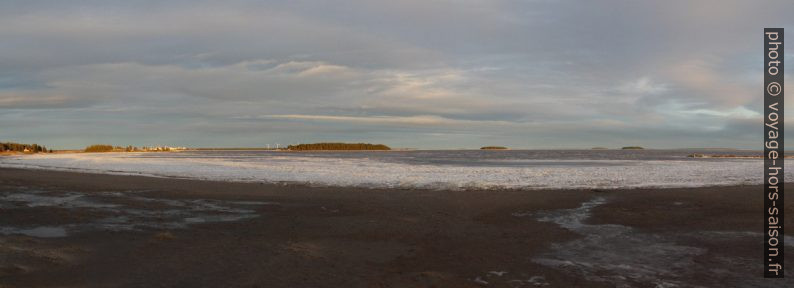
(308, 185)
(403, 172)
(405, 150)
(133, 231)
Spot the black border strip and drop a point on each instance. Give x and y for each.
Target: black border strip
(773, 153)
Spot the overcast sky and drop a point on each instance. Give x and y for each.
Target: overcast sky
(424, 74)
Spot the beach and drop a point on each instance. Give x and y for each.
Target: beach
(68, 229)
(394, 144)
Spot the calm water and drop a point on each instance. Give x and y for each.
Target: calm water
(472, 157)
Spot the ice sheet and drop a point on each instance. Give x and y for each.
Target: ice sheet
(379, 173)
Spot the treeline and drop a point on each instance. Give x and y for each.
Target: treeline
(337, 146)
(102, 148)
(110, 148)
(632, 148)
(493, 148)
(18, 147)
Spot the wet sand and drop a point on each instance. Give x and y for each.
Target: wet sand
(62, 229)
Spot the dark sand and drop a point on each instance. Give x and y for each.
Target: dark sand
(129, 231)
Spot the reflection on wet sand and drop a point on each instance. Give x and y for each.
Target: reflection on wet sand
(117, 211)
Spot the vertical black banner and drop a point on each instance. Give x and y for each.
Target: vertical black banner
(773, 153)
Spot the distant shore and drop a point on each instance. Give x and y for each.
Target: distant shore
(729, 156)
(409, 149)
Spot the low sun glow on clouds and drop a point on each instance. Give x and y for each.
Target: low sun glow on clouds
(427, 74)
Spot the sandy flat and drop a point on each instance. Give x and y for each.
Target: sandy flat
(61, 229)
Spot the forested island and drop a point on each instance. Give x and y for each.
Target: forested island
(493, 148)
(337, 146)
(632, 148)
(26, 148)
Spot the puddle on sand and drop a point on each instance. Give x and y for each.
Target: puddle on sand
(130, 211)
(40, 232)
(217, 218)
(502, 278)
(35, 199)
(625, 257)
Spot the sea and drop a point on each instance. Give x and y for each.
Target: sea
(426, 169)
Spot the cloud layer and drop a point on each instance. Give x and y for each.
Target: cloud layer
(427, 74)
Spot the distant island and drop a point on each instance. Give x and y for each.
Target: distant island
(337, 146)
(24, 148)
(493, 148)
(599, 148)
(632, 148)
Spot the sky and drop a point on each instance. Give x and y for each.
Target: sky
(413, 74)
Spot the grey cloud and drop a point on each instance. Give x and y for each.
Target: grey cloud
(529, 73)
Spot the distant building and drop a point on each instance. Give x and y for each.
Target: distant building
(162, 148)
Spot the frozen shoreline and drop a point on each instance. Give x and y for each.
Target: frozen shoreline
(378, 173)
